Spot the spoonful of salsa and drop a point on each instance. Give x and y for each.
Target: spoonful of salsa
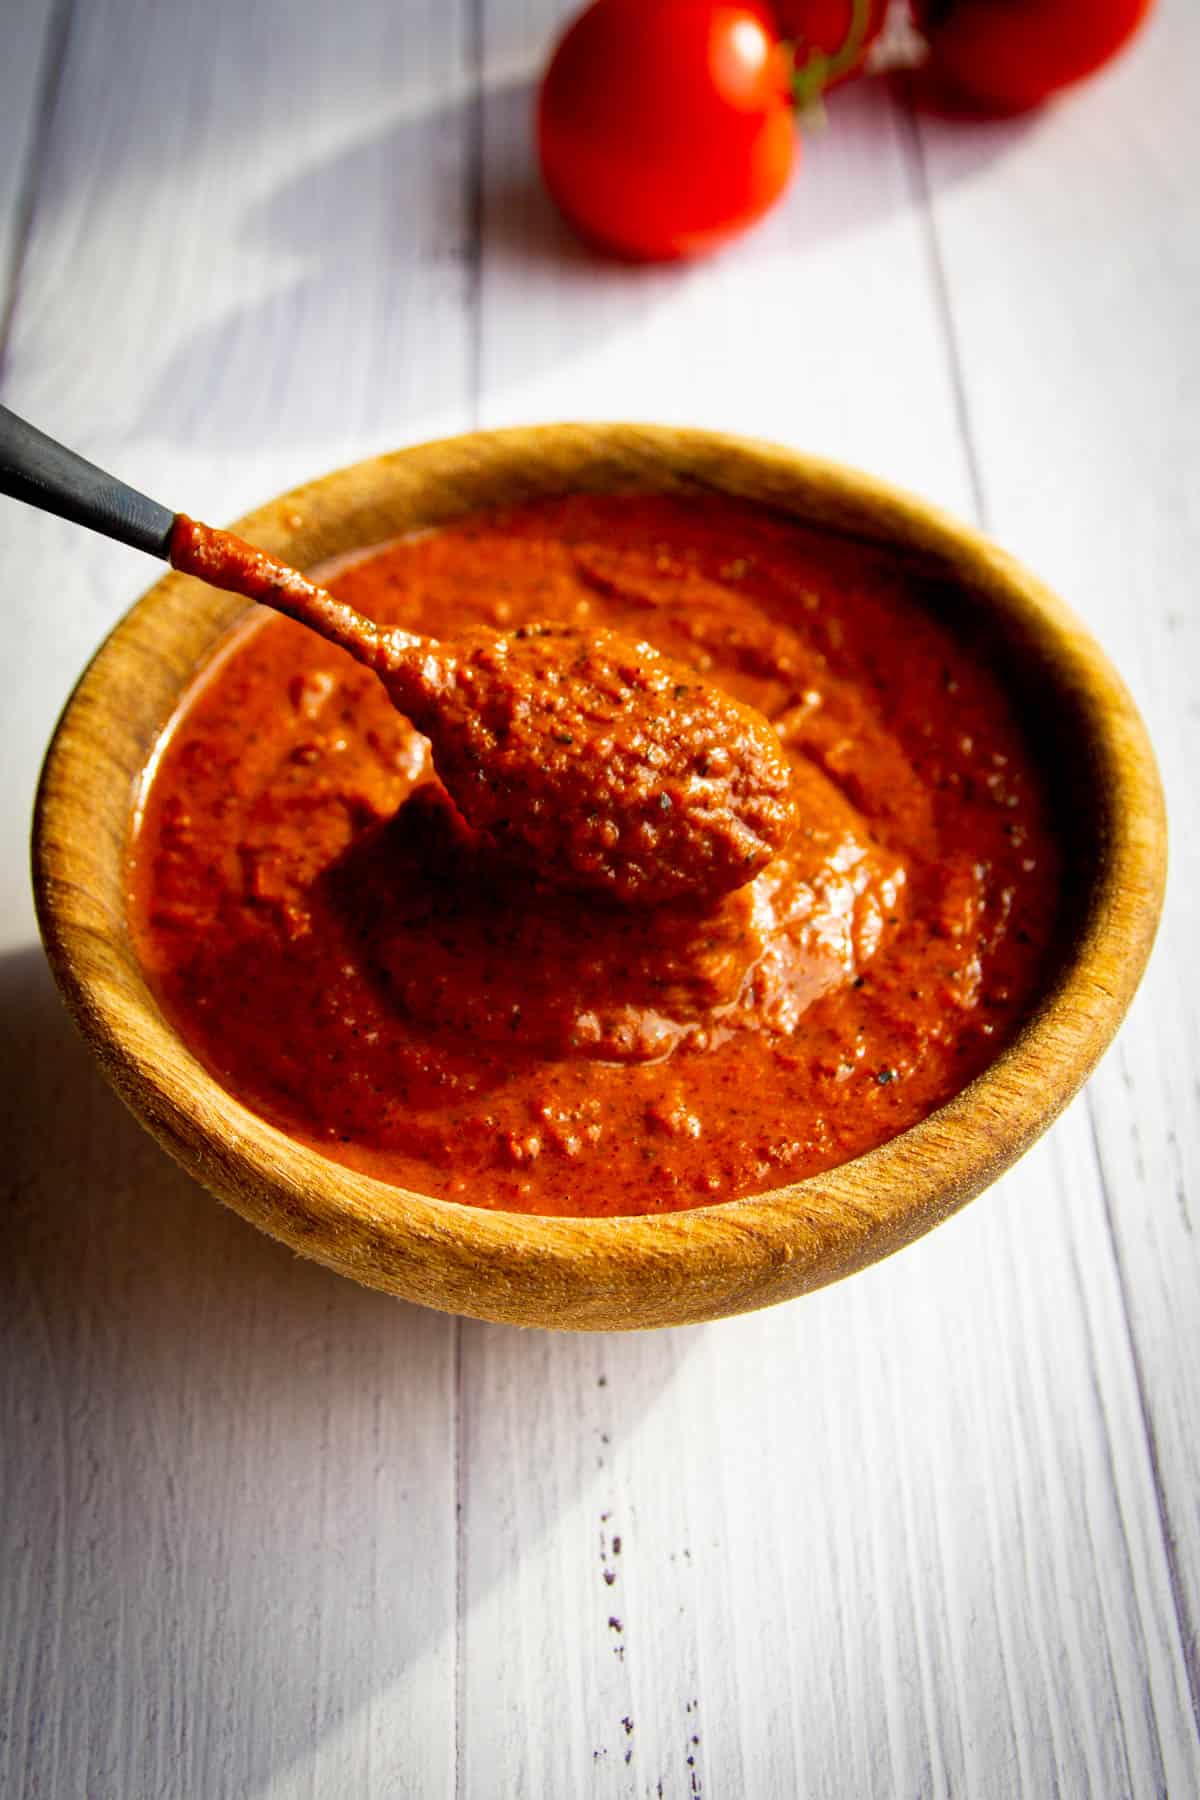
(588, 757)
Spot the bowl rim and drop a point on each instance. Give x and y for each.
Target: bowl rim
(599, 1272)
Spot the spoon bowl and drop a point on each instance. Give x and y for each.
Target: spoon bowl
(610, 1273)
(593, 762)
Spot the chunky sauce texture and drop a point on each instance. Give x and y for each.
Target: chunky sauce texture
(601, 765)
(363, 969)
(588, 756)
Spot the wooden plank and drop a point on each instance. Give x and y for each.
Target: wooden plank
(28, 73)
(901, 1537)
(225, 1503)
(1081, 370)
(227, 1517)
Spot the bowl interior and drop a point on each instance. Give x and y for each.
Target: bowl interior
(663, 1269)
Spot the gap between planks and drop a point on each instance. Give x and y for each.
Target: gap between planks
(1183, 1619)
(914, 149)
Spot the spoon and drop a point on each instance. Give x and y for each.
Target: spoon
(595, 761)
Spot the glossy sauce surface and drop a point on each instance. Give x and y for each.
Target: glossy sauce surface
(358, 966)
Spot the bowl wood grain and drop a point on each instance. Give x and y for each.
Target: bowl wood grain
(603, 1274)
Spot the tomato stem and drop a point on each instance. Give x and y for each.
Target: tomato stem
(821, 68)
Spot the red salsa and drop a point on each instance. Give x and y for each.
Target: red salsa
(362, 968)
(592, 759)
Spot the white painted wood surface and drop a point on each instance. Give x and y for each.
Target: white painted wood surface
(934, 1531)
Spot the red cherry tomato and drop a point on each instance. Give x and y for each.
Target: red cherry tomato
(664, 126)
(829, 38)
(1006, 55)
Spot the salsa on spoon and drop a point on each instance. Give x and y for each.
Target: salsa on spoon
(590, 757)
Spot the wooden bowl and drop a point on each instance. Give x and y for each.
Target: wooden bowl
(610, 1273)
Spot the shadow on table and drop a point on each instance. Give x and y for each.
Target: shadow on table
(229, 1475)
(430, 266)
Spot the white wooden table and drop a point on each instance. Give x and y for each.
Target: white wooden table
(934, 1531)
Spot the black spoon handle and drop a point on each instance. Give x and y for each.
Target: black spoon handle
(35, 469)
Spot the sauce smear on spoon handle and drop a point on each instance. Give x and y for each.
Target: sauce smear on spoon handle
(229, 562)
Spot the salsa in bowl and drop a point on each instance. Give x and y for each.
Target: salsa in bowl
(342, 1008)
